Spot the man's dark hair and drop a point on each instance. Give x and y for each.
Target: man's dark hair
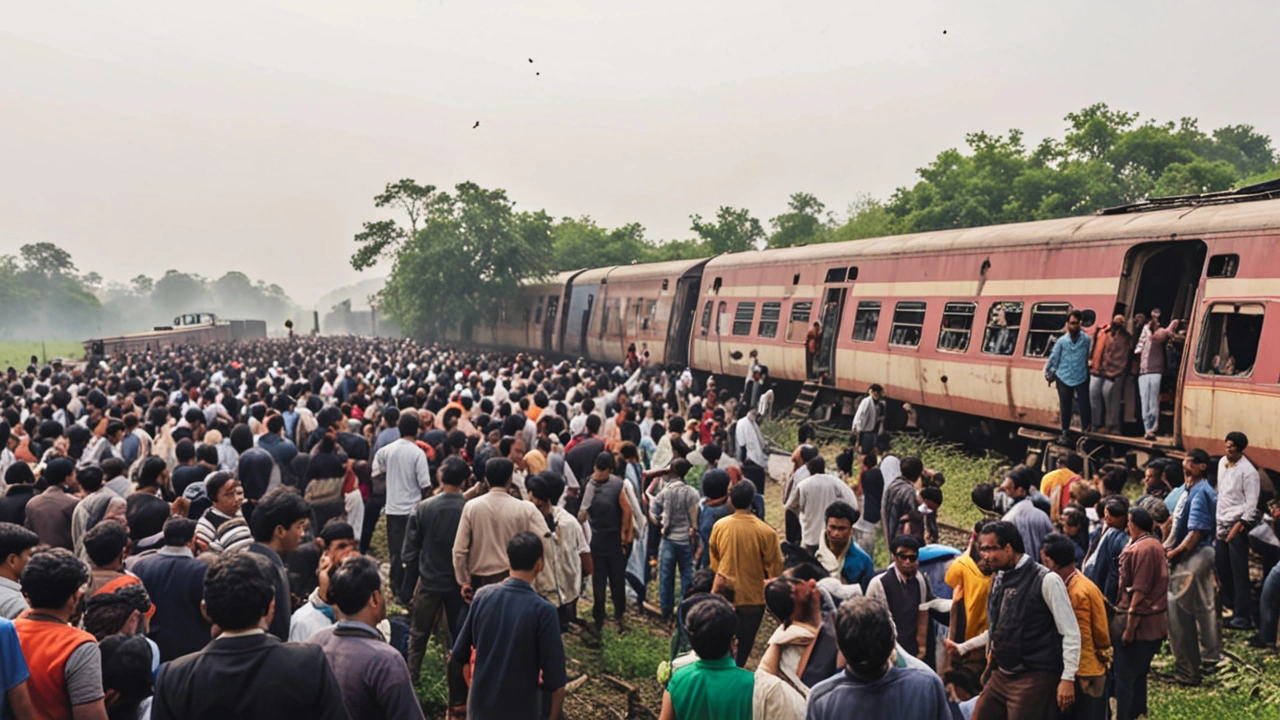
(337, 529)
(816, 465)
(865, 636)
(1239, 439)
(911, 468)
(875, 388)
(238, 590)
(15, 539)
(604, 461)
(546, 486)
(983, 496)
(1114, 480)
(215, 482)
(712, 624)
(353, 583)
(498, 471)
(964, 679)
(106, 612)
(52, 577)
(1117, 506)
(524, 550)
(1023, 477)
(178, 531)
(1090, 497)
(275, 424)
(711, 453)
(742, 494)
(1006, 534)
(126, 670)
(909, 542)
(1198, 456)
(90, 478)
(454, 471)
(593, 424)
(106, 542)
(1140, 517)
(1075, 315)
(282, 507)
(778, 598)
(1174, 474)
(676, 424)
(329, 417)
(152, 469)
(391, 416)
(409, 424)
(843, 510)
(932, 493)
(207, 454)
(1059, 548)
(184, 451)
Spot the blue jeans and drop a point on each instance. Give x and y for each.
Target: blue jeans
(1269, 606)
(1149, 394)
(671, 555)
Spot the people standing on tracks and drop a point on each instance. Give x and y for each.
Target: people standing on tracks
(837, 552)
(1112, 352)
(1151, 369)
(1237, 514)
(1033, 636)
(605, 504)
(1189, 549)
(811, 498)
(745, 549)
(1143, 606)
(812, 343)
(970, 580)
(901, 506)
(1102, 559)
(430, 581)
(867, 418)
(1068, 369)
(904, 591)
(1032, 523)
(1059, 555)
(675, 509)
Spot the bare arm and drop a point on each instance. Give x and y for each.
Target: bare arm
(96, 710)
(20, 702)
(557, 703)
(668, 710)
(922, 632)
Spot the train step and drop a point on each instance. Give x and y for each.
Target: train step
(803, 406)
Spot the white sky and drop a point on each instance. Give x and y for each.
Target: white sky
(252, 135)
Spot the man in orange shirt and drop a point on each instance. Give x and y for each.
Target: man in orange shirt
(66, 668)
(1059, 555)
(970, 580)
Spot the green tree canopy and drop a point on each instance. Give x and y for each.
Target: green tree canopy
(734, 230)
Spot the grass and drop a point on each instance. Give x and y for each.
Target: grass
(17, 353)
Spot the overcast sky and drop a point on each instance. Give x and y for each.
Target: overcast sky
(251, 135)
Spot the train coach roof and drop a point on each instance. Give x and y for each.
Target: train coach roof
(555, 281)
(652, 271)
(1182, 222)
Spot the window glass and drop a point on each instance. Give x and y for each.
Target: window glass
(537, 315)
(957, 325)
(1048, 323)
(1223, 266)
(1229, 340)
(908, 323)
(799, 325)
(651, 315)
(1003, 322)
(742, 317)
(706, 317)
(837, 275)
(866, 320)
(769, 314)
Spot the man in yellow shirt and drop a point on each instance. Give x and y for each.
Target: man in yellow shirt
(970, 581)
(1059, 555)
(1070, 466)
(746, 550)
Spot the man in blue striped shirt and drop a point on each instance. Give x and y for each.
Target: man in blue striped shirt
(1068, 367)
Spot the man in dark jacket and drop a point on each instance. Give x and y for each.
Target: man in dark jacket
(174, 578)
(245, 672)
(278, 527)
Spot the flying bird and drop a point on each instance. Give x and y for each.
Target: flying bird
(530, 59)
(944, 32)
(473, 127)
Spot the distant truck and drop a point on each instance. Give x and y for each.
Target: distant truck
(188, 329)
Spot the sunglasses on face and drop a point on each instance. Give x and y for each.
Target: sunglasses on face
(907, 558)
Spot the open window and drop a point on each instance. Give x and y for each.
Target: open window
(742, 317)
(537, 315)
(908, 323)
(1003, 322)
(1223, 266)
(706, 317)
(865, 321)
(770, 312)
(798, 327)
(1048, 323)
(651, 315)
(1229, 339)
(957, 326)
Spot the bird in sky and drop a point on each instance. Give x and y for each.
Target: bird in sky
(473, 127)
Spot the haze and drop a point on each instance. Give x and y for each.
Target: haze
(251, 136)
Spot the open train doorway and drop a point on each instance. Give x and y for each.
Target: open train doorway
(832, 309)
(1163, 279)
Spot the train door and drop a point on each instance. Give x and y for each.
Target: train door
(1164, 279)
(586, 324)
(680, 325)
(549, 322)
(832, 309)
(722, 329)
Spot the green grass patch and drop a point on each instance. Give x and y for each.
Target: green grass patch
(963, 469)
(17, 353)
(634, 655)
(432, 686)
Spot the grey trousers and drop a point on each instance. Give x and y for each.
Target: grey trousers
(1106, 392)
(1194, 622)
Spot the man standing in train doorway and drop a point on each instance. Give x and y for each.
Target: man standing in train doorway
(812, 342)
(1068, 367)
(1111, 354)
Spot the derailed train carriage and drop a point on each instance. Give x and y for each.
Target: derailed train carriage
(959, 323)
(188, 329)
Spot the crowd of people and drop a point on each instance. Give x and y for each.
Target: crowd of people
(187, 534)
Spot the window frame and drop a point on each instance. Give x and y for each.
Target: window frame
(859, 309)
(747, 323)
(1017, 329)
(1205, 326)
(537, 315)
(706, 317)
(1048, 348)
(923, 309)
(804, 324)
(765, 307)
(943, 330)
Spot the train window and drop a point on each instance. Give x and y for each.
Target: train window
(1229, 342)
(853, 273)
(866, 320)
(957, 326)
(651, 315)
(633, 316)
(664, 284)
(1223, 266)
(1003, 322)
(1048, 322)
(604, 318)
(770, 313)
(617, 317)
(908, 323)
(799, 325)
(837, 275)
(537, 315)
(742, 317)
(706, 317)
(524, 316)
(795, 279)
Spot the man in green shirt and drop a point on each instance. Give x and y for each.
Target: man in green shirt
(713, 687)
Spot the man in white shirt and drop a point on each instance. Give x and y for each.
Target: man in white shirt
(867, 418)
(408, 479)
(750, 440)
(1238, 489)
(812, 496)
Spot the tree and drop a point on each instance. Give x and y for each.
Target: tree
(179, 292)
(582, 243)
(142, 285)
(46, 259)
(801, 224)
(378, 237)
(734, 230)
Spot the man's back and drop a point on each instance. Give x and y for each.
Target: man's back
(744, 548)
(429, 538)
(487, 524)
(249, 676)
(900, 693)
(373, 677)
(176, 584)
(49, 516)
